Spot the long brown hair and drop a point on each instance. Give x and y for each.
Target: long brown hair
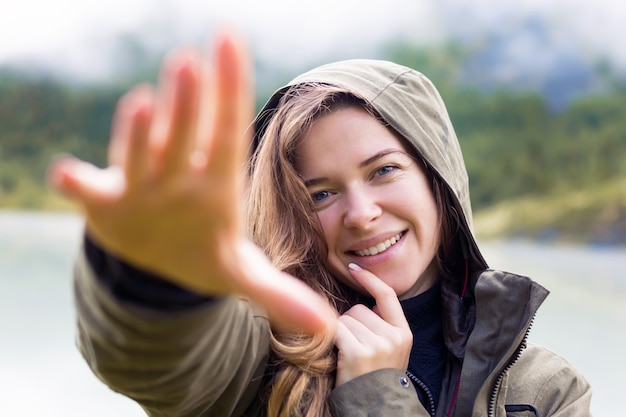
(282, 221)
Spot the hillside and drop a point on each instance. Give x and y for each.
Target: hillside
(534, 170)
(593, 215)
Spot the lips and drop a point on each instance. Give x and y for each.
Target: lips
(379, 247)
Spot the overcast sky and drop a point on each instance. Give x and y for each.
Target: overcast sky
(77, 35)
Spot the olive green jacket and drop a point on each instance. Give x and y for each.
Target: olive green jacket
(210, 360)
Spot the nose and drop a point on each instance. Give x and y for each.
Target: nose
(361, 209)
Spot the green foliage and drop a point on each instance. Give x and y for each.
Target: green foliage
(514, 145)
(594, 214)
(39, 119)
(526, 150)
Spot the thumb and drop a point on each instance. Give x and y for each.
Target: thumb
(289, 302)
(83, 182)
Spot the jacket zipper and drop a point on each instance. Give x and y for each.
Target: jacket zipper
(424, 388)
(514, 358)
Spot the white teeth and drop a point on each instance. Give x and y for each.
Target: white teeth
(381, 247)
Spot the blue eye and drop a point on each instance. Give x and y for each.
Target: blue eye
(320, 196)
(385, 169)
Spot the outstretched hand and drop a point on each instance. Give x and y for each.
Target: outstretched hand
(170, 199)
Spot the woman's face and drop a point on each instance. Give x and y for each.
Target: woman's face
(373, 200)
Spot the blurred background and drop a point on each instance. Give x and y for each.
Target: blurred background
(536, 91)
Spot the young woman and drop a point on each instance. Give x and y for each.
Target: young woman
(355, 185)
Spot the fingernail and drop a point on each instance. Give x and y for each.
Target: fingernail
(54, 173)
(354, 267)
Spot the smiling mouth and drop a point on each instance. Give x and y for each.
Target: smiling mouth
(379, 248)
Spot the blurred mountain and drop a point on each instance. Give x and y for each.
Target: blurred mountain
(527, 53)
(532, 58)
(501, 91)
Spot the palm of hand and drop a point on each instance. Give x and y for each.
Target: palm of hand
(170, 199)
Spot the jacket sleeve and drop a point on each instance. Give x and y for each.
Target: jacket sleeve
(207, 359)
(382, 393)
(550, 383)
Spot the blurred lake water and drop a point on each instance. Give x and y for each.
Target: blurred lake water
(42, 373)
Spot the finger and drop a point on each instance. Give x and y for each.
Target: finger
(348, 355)
(386, 298)
(120, 131)
(289, 302)
(345, 340)
(128, 147)
(364, 331)
(137, 162)
(84, 182)
(367, 319)
(233, 106)
(177, 111)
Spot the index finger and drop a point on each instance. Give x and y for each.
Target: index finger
(387, 302)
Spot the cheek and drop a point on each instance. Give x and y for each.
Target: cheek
(433, 228)
(329, 227)
(325, 223)
(423, 214)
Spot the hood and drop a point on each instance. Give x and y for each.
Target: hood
(412, 106)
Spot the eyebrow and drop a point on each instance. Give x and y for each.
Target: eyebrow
(369, 161)
(379, 155)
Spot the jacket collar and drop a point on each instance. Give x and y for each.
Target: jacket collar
(487, 329)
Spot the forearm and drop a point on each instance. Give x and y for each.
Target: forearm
(163, 348)
(137, 286)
